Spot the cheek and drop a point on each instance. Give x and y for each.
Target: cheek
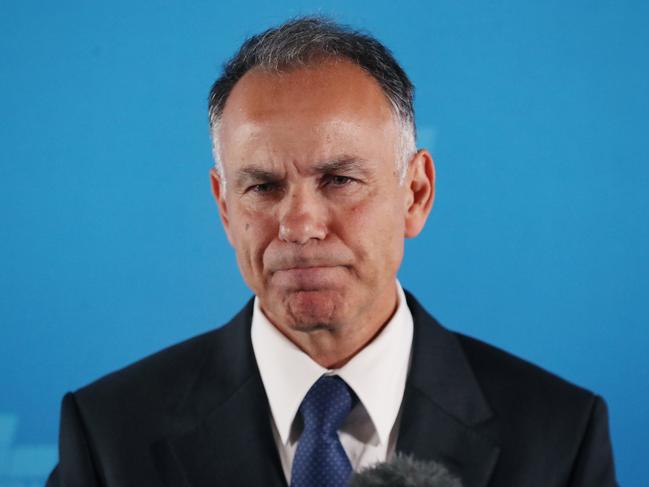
(253, 235)
(374, 231)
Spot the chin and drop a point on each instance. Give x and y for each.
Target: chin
(313, 310)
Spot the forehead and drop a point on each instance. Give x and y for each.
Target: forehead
(334, 84)
(321, 107)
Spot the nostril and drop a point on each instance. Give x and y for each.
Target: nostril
(302, 230)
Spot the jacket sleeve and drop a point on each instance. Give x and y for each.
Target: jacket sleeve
(593, 464)
(76, 467)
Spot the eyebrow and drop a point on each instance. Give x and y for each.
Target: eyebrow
(255, 173)
(343, 164)
(340, 165)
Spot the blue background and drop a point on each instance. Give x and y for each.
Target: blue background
(537, 115)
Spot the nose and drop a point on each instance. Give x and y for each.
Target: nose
(303, 217)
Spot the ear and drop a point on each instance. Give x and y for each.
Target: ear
(420, 187)
(218, 190)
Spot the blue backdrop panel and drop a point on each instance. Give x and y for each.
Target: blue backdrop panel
(537, 115)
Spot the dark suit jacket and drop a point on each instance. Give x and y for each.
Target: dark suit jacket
(196, 415)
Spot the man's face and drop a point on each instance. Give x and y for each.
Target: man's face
(313, 203)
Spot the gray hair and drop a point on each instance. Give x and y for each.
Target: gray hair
(304, 41)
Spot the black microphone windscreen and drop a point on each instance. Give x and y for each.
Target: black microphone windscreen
(405, 471)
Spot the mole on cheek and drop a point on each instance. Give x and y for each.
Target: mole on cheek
(247, 226)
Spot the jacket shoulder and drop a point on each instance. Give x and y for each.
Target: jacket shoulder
(501, 376)
(161, 380)
(540, 420)
(528, 401)
(499, 370)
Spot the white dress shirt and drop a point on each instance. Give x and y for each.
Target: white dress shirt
(377, 374)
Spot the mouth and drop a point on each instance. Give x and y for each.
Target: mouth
(307, 278)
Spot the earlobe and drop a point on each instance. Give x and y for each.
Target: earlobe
(421, 192)
(218, 192)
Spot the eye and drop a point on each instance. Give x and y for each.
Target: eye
(337, 180)
(263, 188)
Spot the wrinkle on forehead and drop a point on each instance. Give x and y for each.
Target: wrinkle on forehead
(272, 145)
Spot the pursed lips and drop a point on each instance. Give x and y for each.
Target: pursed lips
(306, 266)
(296, 264)
(307, 276)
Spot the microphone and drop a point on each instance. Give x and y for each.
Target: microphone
(405, 471)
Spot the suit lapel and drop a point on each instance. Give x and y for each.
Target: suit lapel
(443, 405)
(223, 432)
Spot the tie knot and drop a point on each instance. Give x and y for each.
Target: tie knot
(326, 405)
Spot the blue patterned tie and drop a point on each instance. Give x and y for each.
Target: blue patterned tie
(320, 460)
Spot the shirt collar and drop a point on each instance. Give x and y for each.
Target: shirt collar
(377, 374)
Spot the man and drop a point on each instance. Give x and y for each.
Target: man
(332, 367)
